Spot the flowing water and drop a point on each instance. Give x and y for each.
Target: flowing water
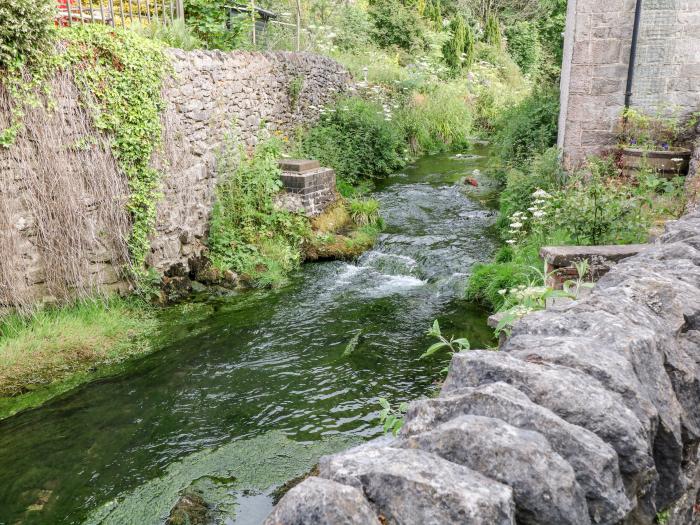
(250, 390)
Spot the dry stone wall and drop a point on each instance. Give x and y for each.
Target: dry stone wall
(590, 414)
(211, 95)
(242, 95)
(596, 57)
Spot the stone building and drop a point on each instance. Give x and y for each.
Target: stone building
(596, 59)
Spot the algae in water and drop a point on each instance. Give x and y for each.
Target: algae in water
(220, 474)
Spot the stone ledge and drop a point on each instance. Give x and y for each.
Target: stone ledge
(561, 256)
(589, 414)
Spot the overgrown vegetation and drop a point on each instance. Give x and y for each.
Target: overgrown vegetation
(540, 206)
(124, 74)
(55, 343)
(26, 31)
(354, 138)
(248, 234)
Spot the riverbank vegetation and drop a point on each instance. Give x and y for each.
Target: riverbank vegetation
(57, 346)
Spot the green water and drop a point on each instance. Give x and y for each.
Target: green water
(252, 388)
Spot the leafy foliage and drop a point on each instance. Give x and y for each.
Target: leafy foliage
(177, 34)
(392, 419)
(396, 25)
(458, 51)
(124, 73)
(524, 45)
(208, 19)
(26, 30)
(451, 344)
(356, 140)
(439, 121)
(492, 31)
(528, 128)
(248, 234)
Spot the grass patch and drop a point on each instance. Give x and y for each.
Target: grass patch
(57, 345)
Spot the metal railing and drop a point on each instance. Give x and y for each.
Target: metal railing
(122, 13)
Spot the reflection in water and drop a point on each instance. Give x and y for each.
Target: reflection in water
(239, 368)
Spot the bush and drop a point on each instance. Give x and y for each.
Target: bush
(356, 140)
(439, 121)
(26, 30)
(524, 46)
(364, 212)
(498, 84)
(396, 25)
(208, 19)
(178, 34)
(528, 128)
(545, 173)
(248, 234)
(354, 30)
(492, 32)
(595, 208)
(458, 51)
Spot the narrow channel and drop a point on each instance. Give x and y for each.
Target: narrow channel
(250, 389)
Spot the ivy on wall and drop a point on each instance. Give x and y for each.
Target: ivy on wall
(124, 74)
(120, 75)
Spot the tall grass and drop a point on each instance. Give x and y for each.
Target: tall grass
(54, 343)
(440, 120)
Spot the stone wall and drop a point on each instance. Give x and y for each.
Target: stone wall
(590, 413)
(210, 95)
(596, 57)
(215, 94)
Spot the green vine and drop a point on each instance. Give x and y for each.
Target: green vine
(124, 74)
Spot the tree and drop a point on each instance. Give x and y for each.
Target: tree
(458, 51)
(492, 31)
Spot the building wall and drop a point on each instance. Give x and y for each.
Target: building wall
(596, 58)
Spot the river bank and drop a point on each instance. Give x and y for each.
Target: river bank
(235, 371)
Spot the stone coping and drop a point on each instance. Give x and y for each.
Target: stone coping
(590, 413)
(561, 256)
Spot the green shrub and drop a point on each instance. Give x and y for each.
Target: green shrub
(440, 121)
(178, 34)
(248, 234)
(208, 19)
(595, 208)
(396, 25)
(528, 128)
(524, 45)
(498, 85)
(458, 51)
(492, 32)
(26, 30)
(356, 140)
(487, 281)
(354, 30)
(545, 173)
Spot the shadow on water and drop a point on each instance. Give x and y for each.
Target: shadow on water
(251, 389)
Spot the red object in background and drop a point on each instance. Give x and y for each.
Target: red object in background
(62, 15)
(472, 182)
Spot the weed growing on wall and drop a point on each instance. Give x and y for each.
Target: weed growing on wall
(247, 233)
(121, 75)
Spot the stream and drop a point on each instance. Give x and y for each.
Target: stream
(249, 390)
